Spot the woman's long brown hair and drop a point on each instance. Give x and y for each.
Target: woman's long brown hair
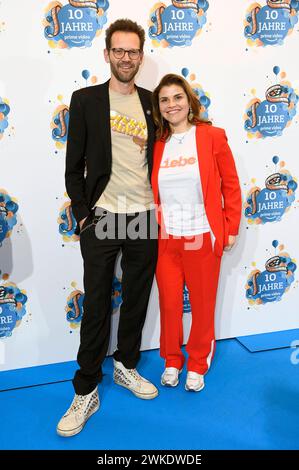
(164, 131)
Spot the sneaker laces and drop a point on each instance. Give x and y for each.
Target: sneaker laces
(135, 374)
(77, 404)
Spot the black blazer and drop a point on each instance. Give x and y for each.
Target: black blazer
(88, 153)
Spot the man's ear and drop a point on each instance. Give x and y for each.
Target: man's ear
(106, 56)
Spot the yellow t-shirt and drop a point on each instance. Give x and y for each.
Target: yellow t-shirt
(128, 189)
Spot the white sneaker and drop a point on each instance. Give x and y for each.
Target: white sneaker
(82, 407)
(170, 376)
(195, 382)
(131, 379)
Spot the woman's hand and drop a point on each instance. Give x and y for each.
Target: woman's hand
(231, 242)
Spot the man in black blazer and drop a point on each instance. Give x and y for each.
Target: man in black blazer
(108, 168)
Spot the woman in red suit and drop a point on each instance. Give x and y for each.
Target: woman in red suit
(198, 199)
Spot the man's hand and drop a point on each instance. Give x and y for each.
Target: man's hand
(82, 222)
(231, 242)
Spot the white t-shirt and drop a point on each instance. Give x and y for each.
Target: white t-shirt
(180, 187)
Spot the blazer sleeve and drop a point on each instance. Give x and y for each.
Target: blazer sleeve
(75, 159)
(230, 186)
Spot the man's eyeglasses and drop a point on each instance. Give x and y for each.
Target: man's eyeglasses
(120, 53)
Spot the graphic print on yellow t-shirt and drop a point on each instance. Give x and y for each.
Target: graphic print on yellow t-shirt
(130, 127)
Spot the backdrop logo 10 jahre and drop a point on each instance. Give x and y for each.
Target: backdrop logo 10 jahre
(177, 24)
(67, 223)
(60, 116)
(4, 111)
(272, 283)
(8, 215)
(186, 300)
(59, 125)
(202, 96)
(75, 303)
(269, 117)
(74, 308)
(270, 24)
(12, 308)
(75, 24)
(270, 203)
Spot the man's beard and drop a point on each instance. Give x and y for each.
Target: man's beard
(123, 77)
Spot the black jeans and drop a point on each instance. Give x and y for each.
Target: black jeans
(139, 257)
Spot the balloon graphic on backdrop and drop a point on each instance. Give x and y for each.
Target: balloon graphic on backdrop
(276, 70)
(86, 74)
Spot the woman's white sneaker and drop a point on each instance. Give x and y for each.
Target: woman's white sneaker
(170, 377)
(131, 379)
(195, 382)
(82, 408)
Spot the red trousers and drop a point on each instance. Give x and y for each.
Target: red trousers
(199, 269)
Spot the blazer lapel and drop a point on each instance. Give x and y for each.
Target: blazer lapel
(103, 111)
(204, 154)
(147, 109)
(146, 106)
(158, 153)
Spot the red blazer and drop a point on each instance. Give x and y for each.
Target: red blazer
(219, 179)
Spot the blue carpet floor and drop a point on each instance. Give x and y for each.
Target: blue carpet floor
(251, 401)
(266, 341)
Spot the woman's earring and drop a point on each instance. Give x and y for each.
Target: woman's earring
(190, 115)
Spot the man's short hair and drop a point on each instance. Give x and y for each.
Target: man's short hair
(127, 26)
